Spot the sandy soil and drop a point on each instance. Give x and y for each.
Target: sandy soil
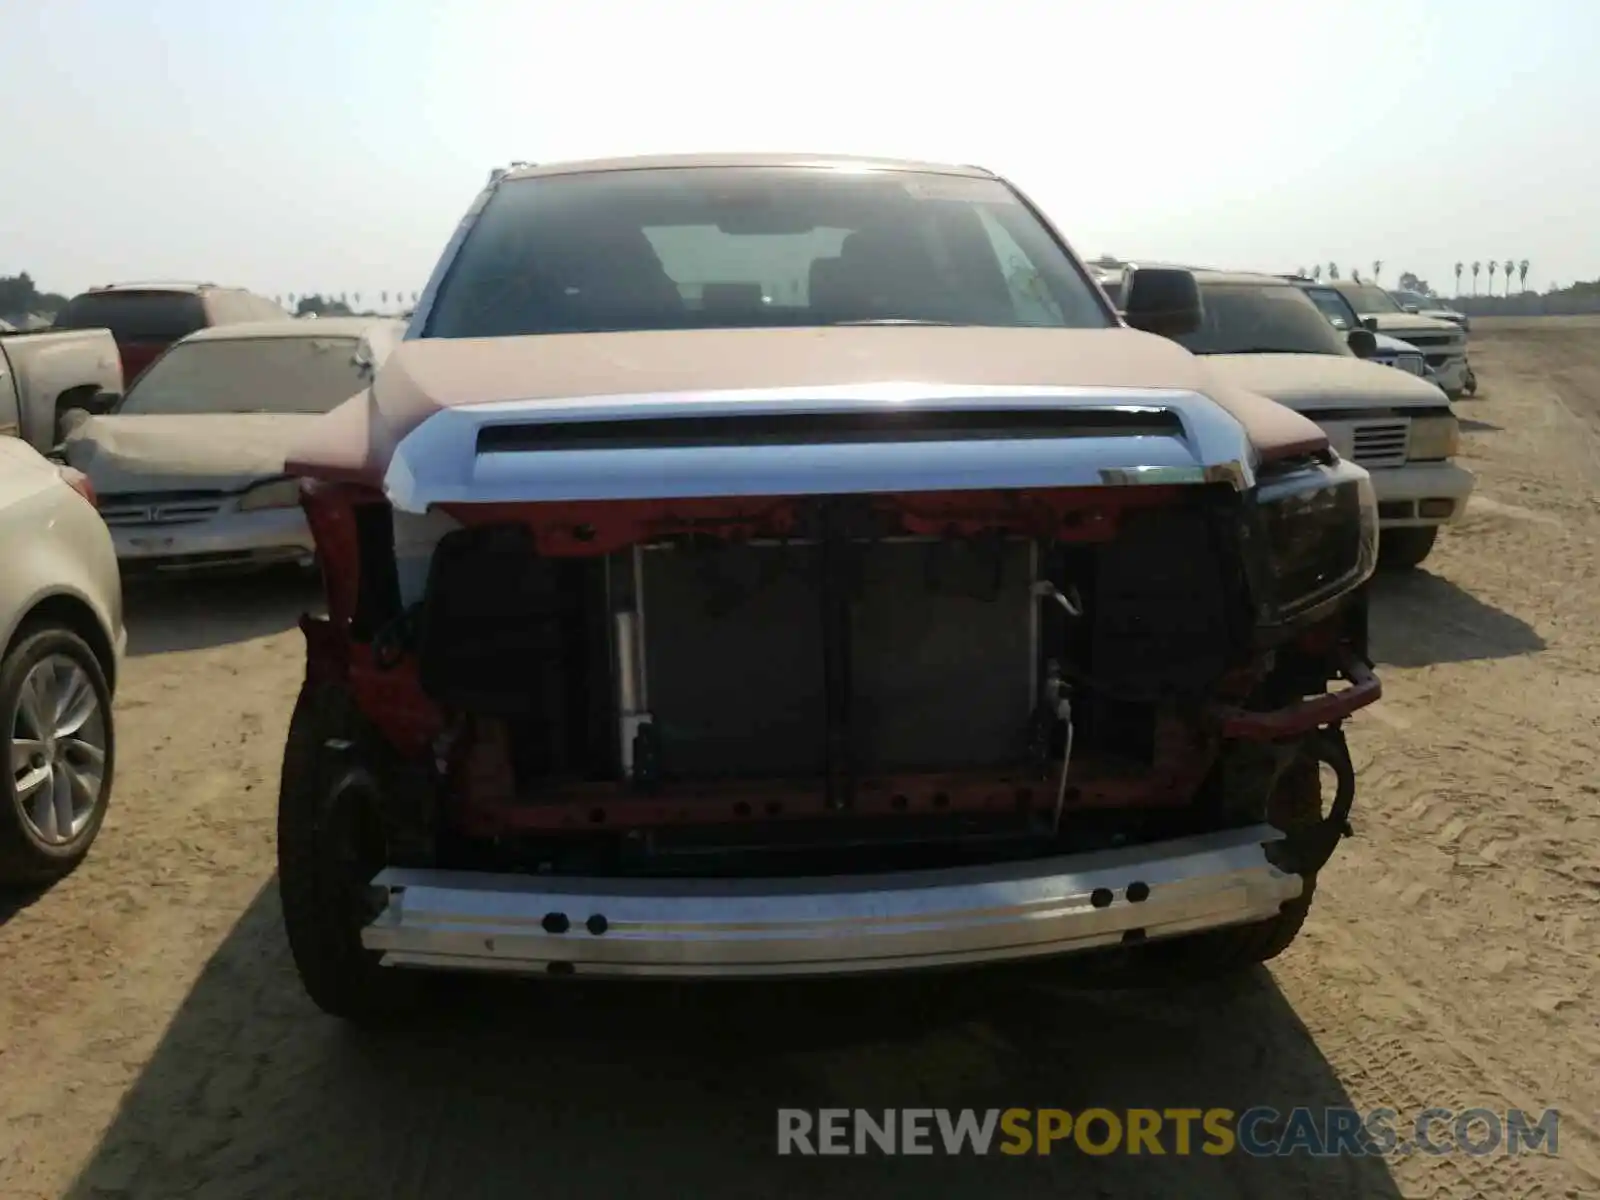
(154, 1041)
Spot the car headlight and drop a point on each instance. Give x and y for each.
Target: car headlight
(1411, 364)
(280, 493)
(1319, 528)
(1434, 438)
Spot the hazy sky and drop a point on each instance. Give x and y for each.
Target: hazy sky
(297, 146)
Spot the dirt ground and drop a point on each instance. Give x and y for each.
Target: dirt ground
(154, 1041)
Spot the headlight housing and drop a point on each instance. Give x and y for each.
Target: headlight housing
(1319, 537)
(1411, 364)
(280, 493)
(1433, 438)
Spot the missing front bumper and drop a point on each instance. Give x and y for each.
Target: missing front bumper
(827, 926)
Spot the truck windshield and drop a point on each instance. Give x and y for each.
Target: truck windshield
(248, 375)
(1250, 318)
(1368, 298)
(1335, 307)
(713, 247)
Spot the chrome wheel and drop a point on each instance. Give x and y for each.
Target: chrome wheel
(58, 750)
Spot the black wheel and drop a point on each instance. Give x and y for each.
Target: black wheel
(1405, 549)
(330, 845)
(1296, 803)
(1469, 385)
(55, 721)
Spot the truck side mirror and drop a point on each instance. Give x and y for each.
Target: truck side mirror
(1162, 300)
(1371, 323)
(1362, 343)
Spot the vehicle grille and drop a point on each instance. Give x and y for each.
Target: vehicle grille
(161, 508)
(1432, 341)
(1411, 364)
(1380, 443)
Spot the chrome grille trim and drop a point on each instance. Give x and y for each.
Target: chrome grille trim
(441, 461)
(158, 508)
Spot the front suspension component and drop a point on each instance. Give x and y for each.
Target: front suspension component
(1307, 848)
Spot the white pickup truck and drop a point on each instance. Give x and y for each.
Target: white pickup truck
(1444, 343)
(45, 374)
(1265, 334)
(1269, 335)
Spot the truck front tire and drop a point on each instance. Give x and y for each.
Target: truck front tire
(1296, 803)
(1405, 549)
(330, 845)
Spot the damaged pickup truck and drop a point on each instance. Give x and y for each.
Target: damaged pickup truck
(757, 566)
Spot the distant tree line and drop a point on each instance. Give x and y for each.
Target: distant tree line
(19, 295)
(1586, 290)
(1410, 282)
(322, 306)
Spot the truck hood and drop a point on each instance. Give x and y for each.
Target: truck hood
(204, 452)
(425, 377)
(1309, 383)
(1401, 324)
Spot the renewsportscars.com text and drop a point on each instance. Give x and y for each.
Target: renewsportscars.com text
(1258, 1132)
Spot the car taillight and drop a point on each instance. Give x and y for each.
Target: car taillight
(79, 482)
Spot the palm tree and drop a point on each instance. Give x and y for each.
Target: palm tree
(1316, 272)
(1507, 267)
(1522, 270)
(1476, 267)
(1493, 267)
(1377, 266)
(1333, 270)
(1458, 278)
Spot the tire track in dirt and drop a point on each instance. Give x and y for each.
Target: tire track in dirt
(1463, 914)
